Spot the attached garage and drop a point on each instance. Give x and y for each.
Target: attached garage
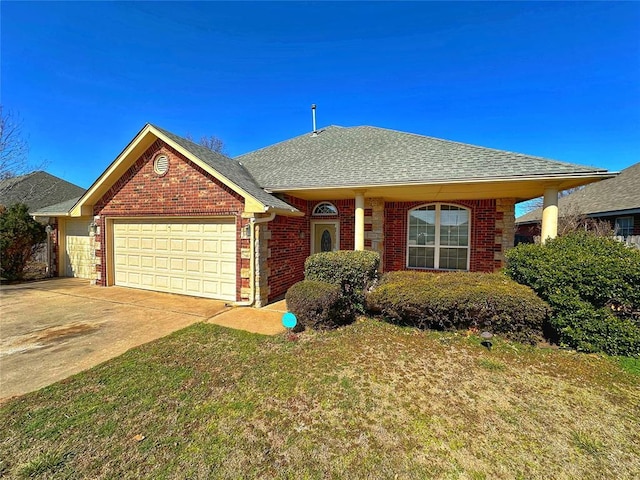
(191, 257)
(78, 252)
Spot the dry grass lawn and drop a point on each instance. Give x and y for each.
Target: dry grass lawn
(368, 401)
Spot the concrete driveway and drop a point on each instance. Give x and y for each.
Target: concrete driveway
(52, 329)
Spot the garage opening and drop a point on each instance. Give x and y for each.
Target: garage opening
(190, 257)
(77, 249)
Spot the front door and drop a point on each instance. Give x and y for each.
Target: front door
(325, 237)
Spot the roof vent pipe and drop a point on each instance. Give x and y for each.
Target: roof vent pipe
(313, 116)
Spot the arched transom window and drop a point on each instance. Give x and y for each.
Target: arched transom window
(438, 237)
(325, 209)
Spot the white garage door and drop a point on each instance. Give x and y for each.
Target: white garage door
(77, 246)
(192, 258)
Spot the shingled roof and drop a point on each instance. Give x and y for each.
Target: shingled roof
(36, 190)
(357, 156)
(230, 168)
(620, 194)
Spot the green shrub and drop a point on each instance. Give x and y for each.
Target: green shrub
(460, 300)
(19, 233)
(592, 284)
(319, 305)
(353, 271)
(590, 329)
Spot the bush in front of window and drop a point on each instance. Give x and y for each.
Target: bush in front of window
(352, 271)
(460, 301)
(593, 285)
(319, 305)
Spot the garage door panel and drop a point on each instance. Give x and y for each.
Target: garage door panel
(194, 258)
(146, 261)
(194, 245)
(228, 268)
(162, 244)
(227, 246)
(194, 266)
(210, 267)
(211, 246)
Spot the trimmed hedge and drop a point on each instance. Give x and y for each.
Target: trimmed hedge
(460, 300)
(319, 305)
(353, 271)
(593, 285)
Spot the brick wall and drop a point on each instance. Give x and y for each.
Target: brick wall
(289, 247)
(290, 241)
(486, 247)
(185, 190)
(55, 248)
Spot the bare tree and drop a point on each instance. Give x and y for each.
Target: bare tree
(571, 220)
(211, 142)
(14, 149)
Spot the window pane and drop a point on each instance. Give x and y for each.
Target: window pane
(624, 226)
(454, 226)
(453, 258)
(421, 257)
(324, 209)
(422, 226)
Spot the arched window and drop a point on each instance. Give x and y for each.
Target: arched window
(438, 237)
(325, 209)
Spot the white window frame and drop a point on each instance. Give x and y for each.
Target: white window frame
(437, 246)
(615, 225)
(315, 212)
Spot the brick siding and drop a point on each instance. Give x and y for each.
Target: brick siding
(185, 190)
(483, 234)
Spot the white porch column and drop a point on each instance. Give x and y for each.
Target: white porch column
(359, 228)
(549, 228)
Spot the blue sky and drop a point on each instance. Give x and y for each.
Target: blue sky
(558, 80)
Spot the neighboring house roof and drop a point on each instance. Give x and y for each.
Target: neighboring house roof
(37, 190)
(370, 156)
(613, 196)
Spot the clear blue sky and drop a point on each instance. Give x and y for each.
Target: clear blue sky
(558, 80)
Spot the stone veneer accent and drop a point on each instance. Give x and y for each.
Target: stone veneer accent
(262, 289)
(375, 235)
(505, 227)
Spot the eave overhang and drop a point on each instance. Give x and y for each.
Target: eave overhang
(520, 188)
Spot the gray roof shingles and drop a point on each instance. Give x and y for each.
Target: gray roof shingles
(615, 194)
(357, 156)
(37, 189)
(57, 209)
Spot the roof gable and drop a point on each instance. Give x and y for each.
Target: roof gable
(225, 169)
(369, 156)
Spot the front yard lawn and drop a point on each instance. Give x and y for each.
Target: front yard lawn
(371, 400)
